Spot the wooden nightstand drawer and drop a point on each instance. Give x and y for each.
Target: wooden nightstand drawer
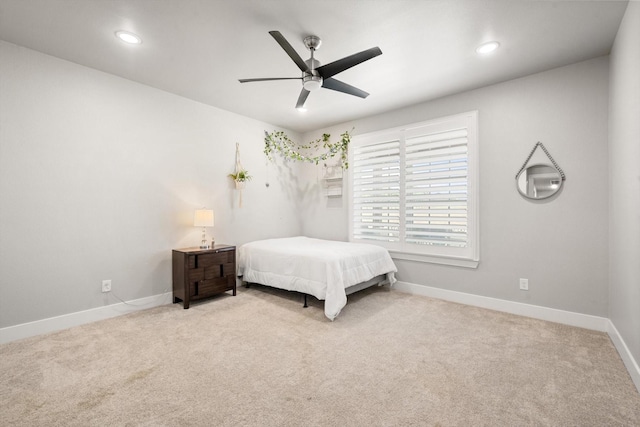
(213, 272)
(196, 275)
(199, 273)
(208, 260)
(229, 269)
(207, 288)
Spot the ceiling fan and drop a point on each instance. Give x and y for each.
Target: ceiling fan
(315, 76)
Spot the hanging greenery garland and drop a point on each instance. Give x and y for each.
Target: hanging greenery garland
(279, 142)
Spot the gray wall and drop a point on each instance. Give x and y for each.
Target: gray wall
(99, 179)
(560, 245)
(624, 161)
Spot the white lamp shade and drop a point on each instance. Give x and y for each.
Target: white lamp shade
(203, 218)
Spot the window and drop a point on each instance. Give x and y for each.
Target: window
(414, 190)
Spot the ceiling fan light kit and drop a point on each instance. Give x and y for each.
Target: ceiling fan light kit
(315, 75)
(311, 83)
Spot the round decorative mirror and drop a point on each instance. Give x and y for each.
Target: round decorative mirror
(539, 181)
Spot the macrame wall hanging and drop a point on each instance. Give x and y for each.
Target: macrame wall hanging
(240, 176)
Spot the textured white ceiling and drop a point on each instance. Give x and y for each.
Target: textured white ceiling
(200, 48)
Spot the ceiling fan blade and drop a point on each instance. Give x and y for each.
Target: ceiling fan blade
(340, 65)
(268, 78)
(289, 49)
(339, 86)
(302, 98)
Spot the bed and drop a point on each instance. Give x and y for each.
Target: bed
(326, 269)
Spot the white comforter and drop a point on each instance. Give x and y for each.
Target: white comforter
(322, 268)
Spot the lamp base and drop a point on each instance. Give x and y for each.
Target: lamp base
(203, 243)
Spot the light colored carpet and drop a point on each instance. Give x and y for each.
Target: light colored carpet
(260, 359)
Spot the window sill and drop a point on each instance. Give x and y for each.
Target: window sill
(456, 262)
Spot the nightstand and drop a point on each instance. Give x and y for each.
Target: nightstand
(201, 273)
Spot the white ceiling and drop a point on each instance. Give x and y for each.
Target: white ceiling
(200, 48)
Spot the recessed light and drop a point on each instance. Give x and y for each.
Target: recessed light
(128, 37)
(488, 47)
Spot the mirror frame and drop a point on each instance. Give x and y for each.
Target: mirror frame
(553, 165)
(524, 193)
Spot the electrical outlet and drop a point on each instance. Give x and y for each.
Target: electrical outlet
(524, 284)
(106, 286)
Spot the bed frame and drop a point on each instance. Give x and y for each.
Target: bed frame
(350, 290)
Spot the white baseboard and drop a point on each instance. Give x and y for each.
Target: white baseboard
(625, 354)
(535, 311)
(52, 324)
(601, 324)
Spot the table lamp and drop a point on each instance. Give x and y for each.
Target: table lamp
(203, 218)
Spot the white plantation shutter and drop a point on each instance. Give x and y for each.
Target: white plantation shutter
(376, 191)
(414, 189)
(436, 189)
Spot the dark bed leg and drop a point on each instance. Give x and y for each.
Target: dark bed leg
(305, 301)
